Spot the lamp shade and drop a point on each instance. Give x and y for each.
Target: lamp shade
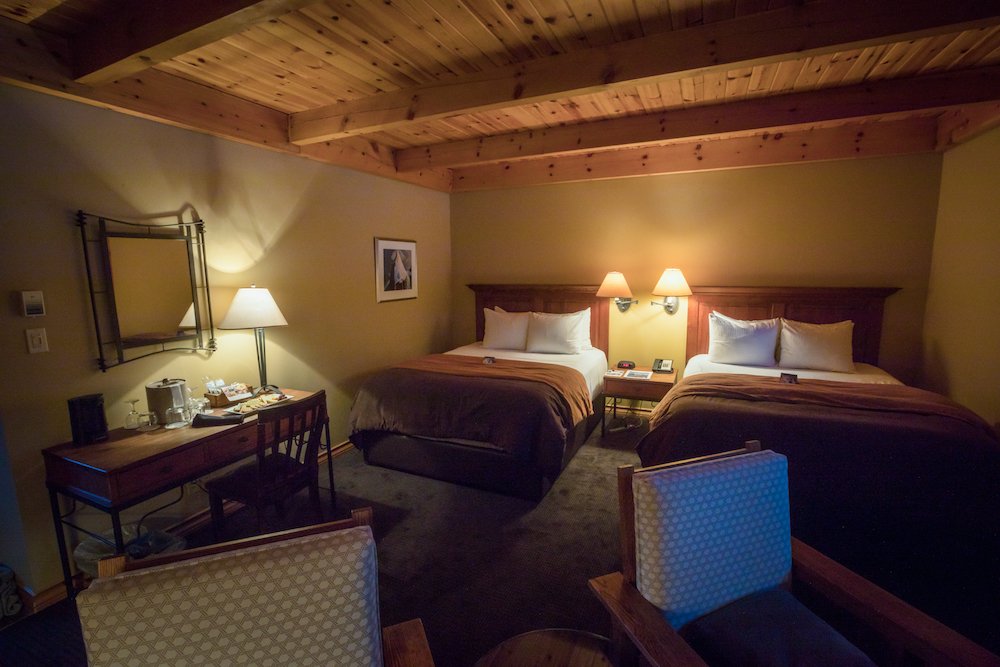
(253, 308)
(614, 285)
(672, 283)
(187, 322)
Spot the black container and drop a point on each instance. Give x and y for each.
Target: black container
(86, 417)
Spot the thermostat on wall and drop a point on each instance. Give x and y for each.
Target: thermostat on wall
(34, 303)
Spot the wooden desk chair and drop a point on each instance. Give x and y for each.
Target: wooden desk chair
(707, 565)
(307, 596)
(288, 441)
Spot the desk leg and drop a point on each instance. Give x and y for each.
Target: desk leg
(61, 540)
(116, 526)
(329, 469)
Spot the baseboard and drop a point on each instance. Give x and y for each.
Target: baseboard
(47, 598)
(35, 602)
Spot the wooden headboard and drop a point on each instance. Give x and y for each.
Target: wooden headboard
(820, 305)
(545, 299)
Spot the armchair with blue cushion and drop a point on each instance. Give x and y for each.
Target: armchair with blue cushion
(711, 576)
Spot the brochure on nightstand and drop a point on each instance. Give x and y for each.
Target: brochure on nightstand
(614, 373)
(639, 375)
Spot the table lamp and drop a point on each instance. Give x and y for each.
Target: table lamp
(254, 308)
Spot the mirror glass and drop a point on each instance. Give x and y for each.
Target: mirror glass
(152, 288)
(148, 287)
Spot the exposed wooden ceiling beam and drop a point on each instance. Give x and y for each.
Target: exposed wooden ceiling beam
(961, 125)
(934, 91)
(43, 65)
(799, 30)
(853, 140)
(137, 35)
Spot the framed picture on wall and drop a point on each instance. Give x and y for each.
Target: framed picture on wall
(395, 269)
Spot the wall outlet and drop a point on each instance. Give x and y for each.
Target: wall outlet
(37, 341)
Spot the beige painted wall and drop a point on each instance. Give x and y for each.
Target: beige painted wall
(302, 229)
(305, 231)
(855, 223)
(961, 353)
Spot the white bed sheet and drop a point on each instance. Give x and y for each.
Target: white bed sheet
(865, 373)
(591, 363)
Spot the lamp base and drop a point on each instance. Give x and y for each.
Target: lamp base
(670, 304)
(623, 303)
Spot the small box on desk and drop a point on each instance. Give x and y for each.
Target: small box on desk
(224, 401)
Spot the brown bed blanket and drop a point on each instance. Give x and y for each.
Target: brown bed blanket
(875, 471)
(524, 409)
(820, 393)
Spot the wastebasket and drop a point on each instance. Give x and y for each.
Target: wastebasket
(10, 602)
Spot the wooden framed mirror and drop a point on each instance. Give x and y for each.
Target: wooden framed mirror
(148, 283)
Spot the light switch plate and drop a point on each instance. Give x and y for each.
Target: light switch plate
(37, 341)
(33, 302)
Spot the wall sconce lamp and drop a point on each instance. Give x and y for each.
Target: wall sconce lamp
(614, 285)
(254, 308)
(671, 285)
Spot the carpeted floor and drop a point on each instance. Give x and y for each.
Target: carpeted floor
(476, 567)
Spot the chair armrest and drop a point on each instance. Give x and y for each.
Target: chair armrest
(643, 623)
(900, 624)
(405, 645)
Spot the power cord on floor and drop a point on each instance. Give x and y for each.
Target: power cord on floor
(142, 546)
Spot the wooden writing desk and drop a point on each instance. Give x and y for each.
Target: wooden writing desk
(132, 466)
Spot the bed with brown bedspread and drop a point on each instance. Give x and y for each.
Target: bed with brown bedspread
(510, 426)
(864, 460)
(901, 484)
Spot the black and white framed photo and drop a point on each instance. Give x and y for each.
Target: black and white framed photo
(395, 269)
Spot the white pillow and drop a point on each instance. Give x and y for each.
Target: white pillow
(825, 347)
(581, 335)
(505, 331)
(746, 342)
(559, 333)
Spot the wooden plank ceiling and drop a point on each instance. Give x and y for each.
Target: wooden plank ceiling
(471, 94)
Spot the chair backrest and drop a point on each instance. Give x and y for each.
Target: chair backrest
(302, 597)
(707, 532)
(294, 428)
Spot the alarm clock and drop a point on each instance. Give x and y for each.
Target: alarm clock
(626, 364)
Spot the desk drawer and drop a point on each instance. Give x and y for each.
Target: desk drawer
(164, 472)
(232, 446)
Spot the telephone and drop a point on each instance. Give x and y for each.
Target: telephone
(663, 365)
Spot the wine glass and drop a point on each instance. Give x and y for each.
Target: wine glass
(132, 418)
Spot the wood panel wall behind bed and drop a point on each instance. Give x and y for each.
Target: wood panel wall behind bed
(819, 305)
(545, 299)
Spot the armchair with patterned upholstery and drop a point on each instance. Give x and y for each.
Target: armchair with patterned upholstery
(306, 596)
(711, 575)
